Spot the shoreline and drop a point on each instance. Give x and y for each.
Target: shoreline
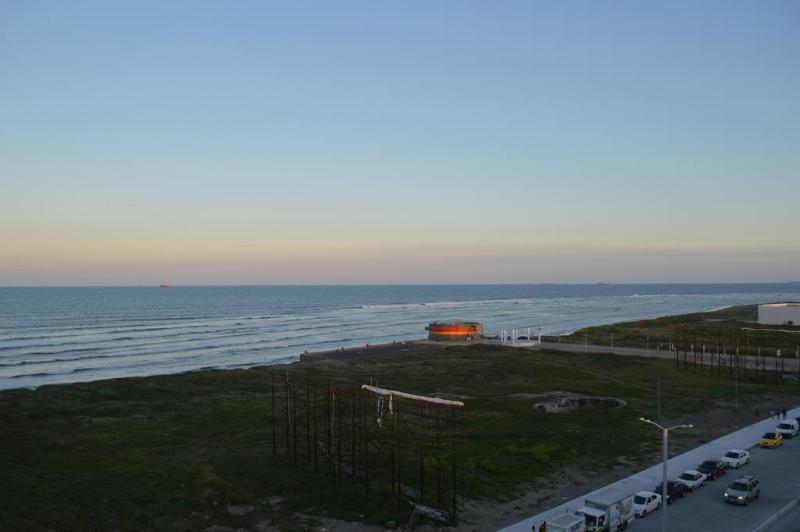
(348, 353)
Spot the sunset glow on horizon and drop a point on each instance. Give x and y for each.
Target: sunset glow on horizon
(361, 143)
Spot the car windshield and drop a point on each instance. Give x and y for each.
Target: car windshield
(732, 454)
(785, 426)
(638, 499)
(769, 435)
(739, 486)
(687, 476)
(708, 465)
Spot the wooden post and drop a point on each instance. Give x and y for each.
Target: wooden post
(316, 437)
(288, 410)
(308, 419)
(274, 434)
(353, 427)
(294, 423)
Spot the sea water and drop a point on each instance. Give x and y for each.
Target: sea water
(61, 335)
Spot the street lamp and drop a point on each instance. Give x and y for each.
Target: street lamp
(665, 440)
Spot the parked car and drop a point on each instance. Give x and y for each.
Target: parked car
(743, 490)
(771, 440)
(675, 490)
(713, 469)
(693, 479)
(645, 502)
(736, 458)
(788, 428)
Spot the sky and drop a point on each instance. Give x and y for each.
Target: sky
(399, 142)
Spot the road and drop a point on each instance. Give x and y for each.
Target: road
(788, 523)
(789, 365)
(778, 470)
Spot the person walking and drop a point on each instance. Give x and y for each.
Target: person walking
(783, 413)
(771, 414)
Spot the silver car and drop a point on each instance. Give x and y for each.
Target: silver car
(743, 490)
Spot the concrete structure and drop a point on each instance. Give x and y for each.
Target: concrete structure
(454, 330)
(779, 314)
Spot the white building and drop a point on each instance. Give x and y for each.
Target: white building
(779, 314)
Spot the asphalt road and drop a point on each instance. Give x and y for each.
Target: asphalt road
(778, 471)
(788, 523)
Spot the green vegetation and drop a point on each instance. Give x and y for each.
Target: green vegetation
(729, 327)
(172, 451)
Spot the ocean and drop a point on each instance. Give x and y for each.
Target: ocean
(62, 335)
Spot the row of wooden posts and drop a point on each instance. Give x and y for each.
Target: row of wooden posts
(409, 450)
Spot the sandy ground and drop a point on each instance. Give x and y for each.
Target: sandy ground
(341, 356)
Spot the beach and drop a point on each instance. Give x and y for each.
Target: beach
(61, 335)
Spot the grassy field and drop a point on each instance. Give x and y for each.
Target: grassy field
(730, 327)
(173, 451)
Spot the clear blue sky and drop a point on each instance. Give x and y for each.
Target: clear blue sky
(391, 142)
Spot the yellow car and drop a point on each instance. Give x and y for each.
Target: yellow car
(771, 440)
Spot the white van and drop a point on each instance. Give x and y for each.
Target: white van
(788, 428)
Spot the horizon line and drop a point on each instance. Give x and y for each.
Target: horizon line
(289, 285)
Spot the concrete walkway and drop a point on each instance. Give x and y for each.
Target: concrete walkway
(744, 438)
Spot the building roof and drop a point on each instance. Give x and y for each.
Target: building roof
(609, 496)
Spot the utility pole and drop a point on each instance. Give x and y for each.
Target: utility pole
(736, 384)
(665, 444)
(658, 393)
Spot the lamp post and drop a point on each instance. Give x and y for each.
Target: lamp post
(665, 440)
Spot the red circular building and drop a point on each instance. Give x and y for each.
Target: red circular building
(454, 330)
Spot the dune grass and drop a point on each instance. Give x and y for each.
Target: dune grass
(172, 451)
(729, 327)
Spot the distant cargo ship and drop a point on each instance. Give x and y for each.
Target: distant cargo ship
(604, 283)
(164, 286)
